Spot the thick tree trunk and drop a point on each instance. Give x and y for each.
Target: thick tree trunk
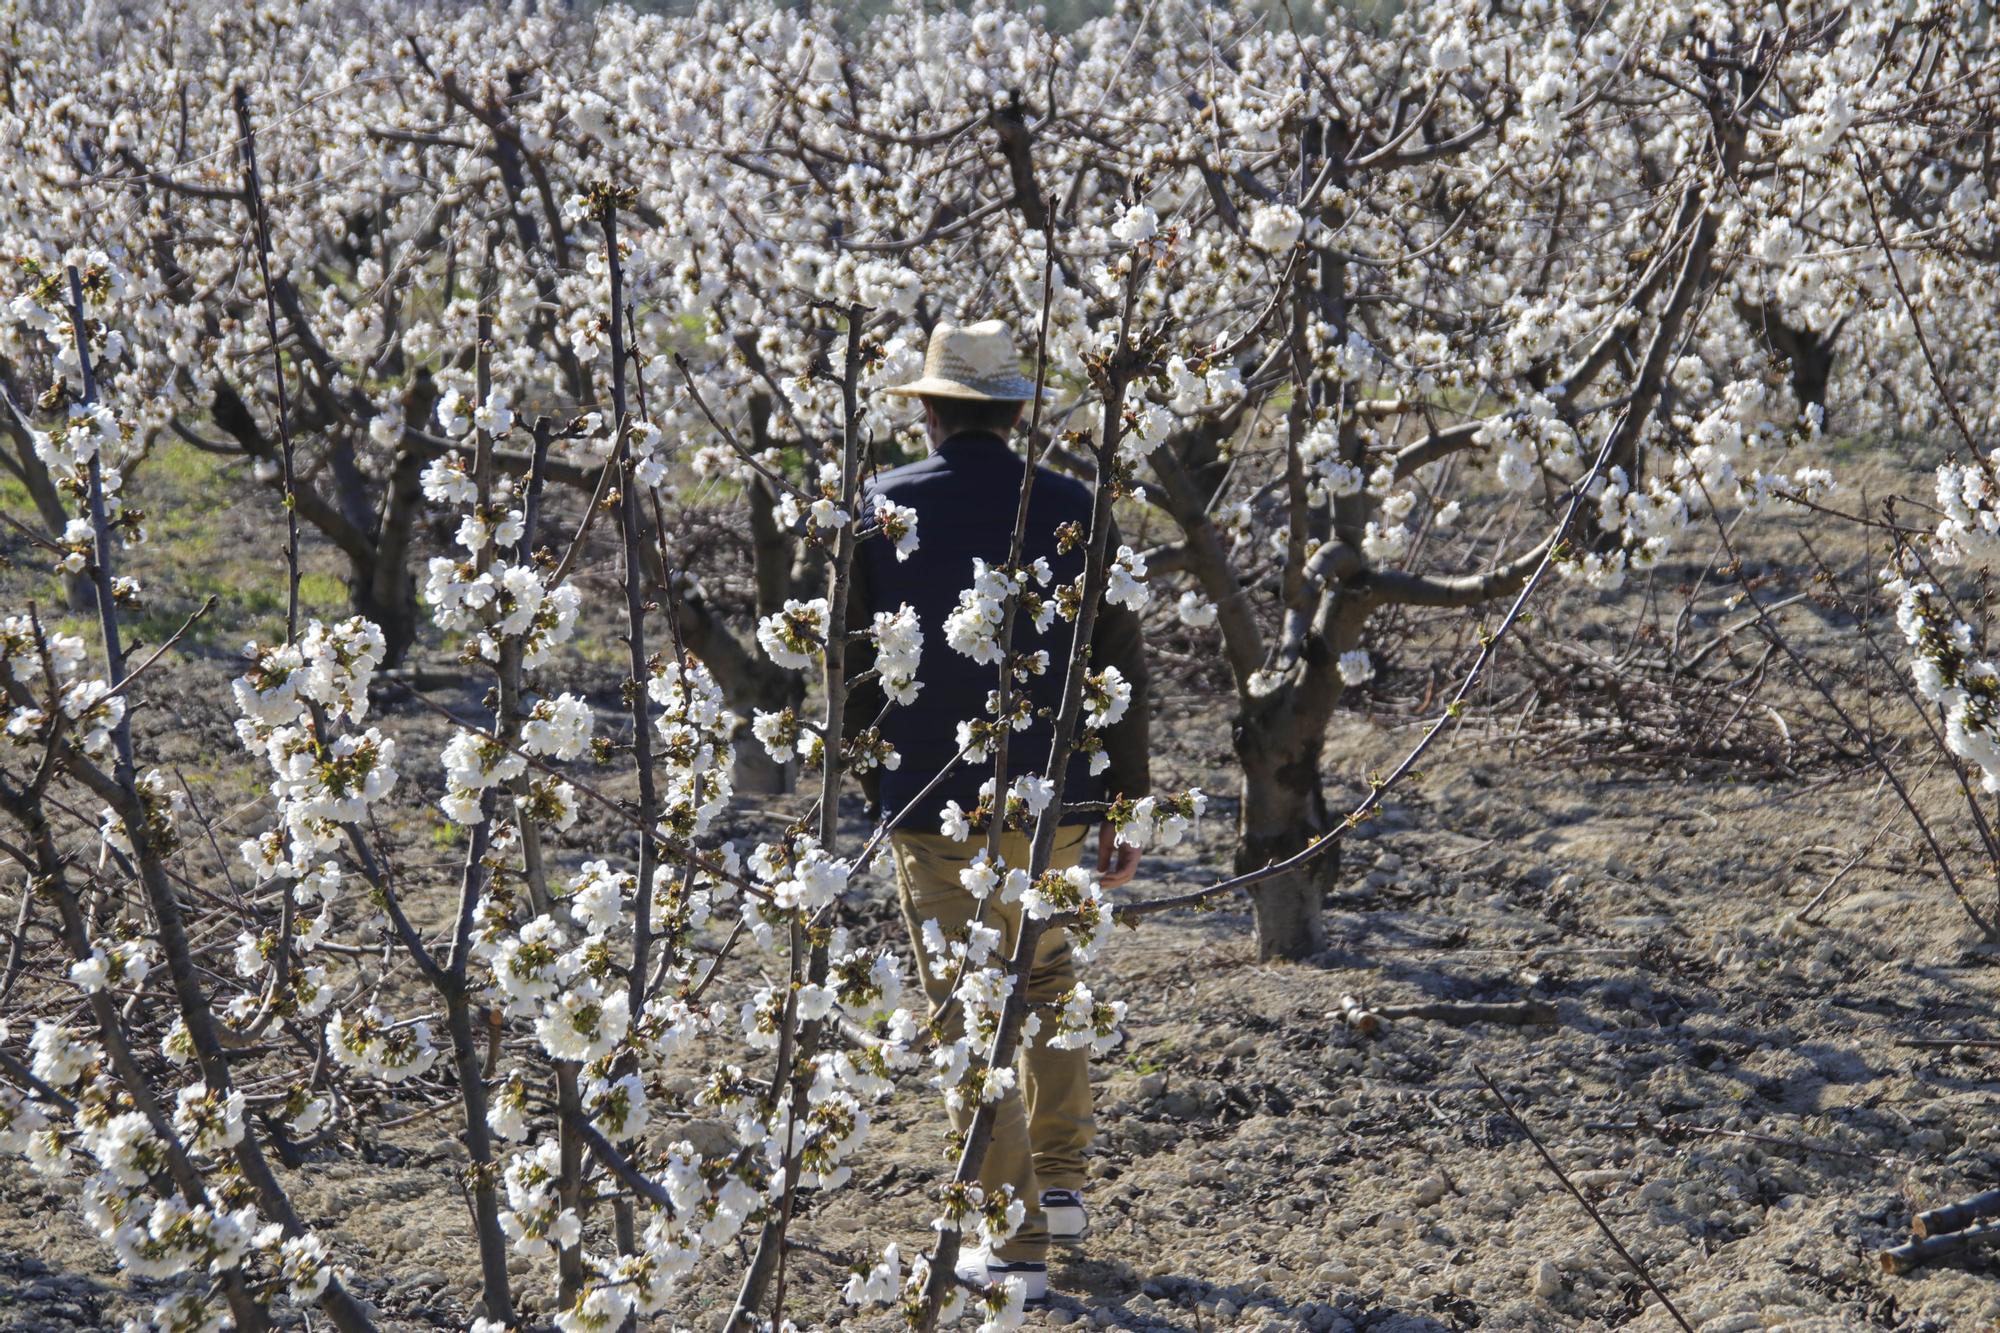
(386, 593)
(1283, 810)
(385, 588)
(1808, 354)
(77, 594)
(749, 680)
(771, 549)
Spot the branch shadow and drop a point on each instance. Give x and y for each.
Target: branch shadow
(37, 1294)
(1114, 1295)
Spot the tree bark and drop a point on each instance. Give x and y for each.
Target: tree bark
(385, 585)
(385, 592)
(1808, 354)
(753, 771)
(34, 477)
(385, 588)
(1283, 810)
(749, 680)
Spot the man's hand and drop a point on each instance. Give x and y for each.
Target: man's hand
(1115, 864)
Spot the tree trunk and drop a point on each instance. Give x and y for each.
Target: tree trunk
(1283, 810)
(749, 680)
(385, 588)
(771, 551)
(386, 594)
(77, 593)
(1808, 354)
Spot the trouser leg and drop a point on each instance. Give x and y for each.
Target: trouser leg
(928, 888)
(1056, 1083)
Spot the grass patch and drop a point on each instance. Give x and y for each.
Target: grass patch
(213, 531)
(24, 567)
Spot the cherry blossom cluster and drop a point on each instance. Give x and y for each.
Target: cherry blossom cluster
(1950, 673)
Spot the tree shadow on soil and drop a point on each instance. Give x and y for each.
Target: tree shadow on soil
(1169, 1303)
(35, 1294)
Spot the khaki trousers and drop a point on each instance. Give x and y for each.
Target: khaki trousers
(1044, 1125)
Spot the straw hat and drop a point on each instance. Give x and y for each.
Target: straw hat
(975, 361)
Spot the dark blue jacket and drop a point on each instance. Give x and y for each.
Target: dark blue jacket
(965, 495)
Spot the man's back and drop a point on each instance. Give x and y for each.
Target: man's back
(965, 496)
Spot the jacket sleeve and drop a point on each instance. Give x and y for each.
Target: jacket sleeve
(1118, 640)
(865, 699)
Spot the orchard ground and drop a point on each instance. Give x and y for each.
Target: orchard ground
(1261, 1164)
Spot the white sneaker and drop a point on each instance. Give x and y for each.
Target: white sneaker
(1067, 1221)
(976, 1265)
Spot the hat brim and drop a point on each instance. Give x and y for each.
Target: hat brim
(1018, 390)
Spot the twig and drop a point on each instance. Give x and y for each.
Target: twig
(1520, 1013)
(1770, 630)
(1806, 912)
(687, 851)
(1577, 1194)
(159, 652)
(1670, 1130)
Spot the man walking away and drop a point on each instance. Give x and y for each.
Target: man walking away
(965, 496)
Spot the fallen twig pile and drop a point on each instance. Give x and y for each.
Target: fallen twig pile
(1641, 705)
(1944, 1231)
